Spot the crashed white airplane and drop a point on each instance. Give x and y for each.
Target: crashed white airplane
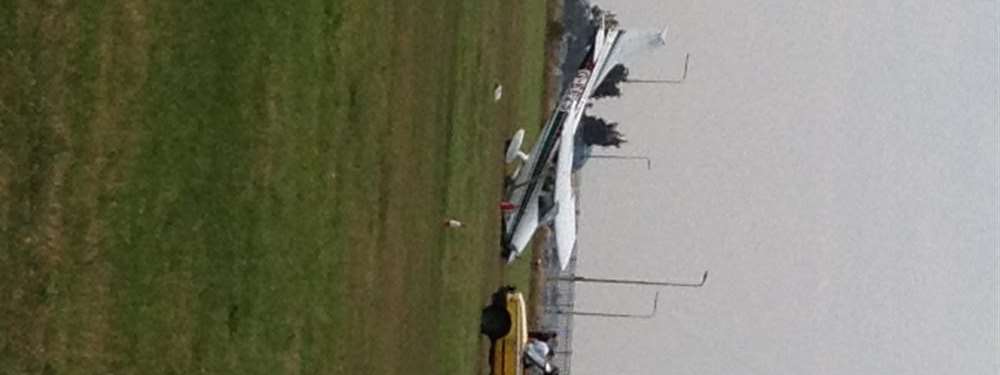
(540, 191)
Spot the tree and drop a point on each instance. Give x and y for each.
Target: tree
(597, 131)
(609, 87)
(610, 18)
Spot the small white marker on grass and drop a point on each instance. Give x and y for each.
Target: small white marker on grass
(452, 223)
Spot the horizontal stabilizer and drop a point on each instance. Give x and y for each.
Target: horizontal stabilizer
(514, 147)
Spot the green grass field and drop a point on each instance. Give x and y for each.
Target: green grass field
(255, 187)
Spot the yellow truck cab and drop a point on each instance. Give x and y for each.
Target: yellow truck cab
(505, 322)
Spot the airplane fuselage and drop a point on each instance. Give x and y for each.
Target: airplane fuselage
(531, 182)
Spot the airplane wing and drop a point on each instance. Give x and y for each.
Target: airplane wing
(565, 201)
(525, 229)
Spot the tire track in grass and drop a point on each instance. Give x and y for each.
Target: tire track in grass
(452, 345)
(45, 34)
(362, 109)
(105, 146)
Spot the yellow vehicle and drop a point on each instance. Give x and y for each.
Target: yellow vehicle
(505, 322)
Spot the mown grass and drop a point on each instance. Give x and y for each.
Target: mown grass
(255, 186)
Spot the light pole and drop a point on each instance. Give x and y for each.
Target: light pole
(650, 315)
(649, 162)
(583, 279)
